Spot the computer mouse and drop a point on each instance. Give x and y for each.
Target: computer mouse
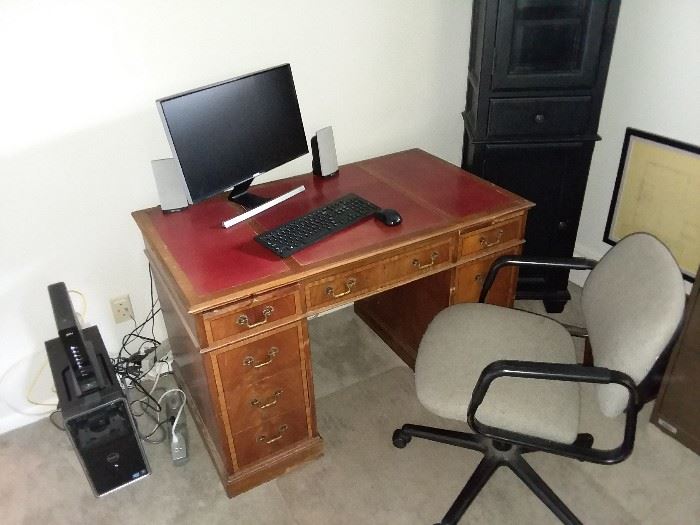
(389, 216)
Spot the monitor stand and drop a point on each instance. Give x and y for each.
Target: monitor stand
(248, 200)
(266, 206)
(240, 195)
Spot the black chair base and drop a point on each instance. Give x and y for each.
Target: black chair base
(496, 454)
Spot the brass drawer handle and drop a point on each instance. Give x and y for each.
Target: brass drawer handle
(271, 401)
(282, 430)
(349, 284)
(244, 321)
(250, 360)
(433, 258)
(486, 244)
(479, 278)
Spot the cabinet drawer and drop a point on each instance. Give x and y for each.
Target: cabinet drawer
(343, 286)
(270, 437)
(490, 238)
(418, 261)
(251, 405)
(252, 315)
(259, 357)
(539, 116)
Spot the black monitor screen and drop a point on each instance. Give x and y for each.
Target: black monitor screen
(226, 133)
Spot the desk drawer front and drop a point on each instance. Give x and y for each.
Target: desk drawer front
(252, 315)
(270, 437)
(259, 357)
(417, 262)
(490, 238)
(345, 285)
(251, 405)
(342, 287)
(469, 280)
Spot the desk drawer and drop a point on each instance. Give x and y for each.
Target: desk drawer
(258, 357)
(270, 437)
(539, 116)
(252, 315)
(469, 280)
(343, 286)
(417, 262)
(251, 405)
(489, 238)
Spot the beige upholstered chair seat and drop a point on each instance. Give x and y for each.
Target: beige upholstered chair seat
(465, 338)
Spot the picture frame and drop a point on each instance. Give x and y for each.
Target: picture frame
(657, 191)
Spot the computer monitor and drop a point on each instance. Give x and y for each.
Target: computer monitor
(225, 134)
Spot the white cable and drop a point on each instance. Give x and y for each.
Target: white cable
(83, 310)
(155, 384)
(158, 365)
(179, 412)
(177, 418)
(32, 384)
(19, 411)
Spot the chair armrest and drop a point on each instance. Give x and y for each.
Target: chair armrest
(570, 263)
(557, 372)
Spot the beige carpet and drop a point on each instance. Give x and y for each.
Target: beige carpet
(362, 478)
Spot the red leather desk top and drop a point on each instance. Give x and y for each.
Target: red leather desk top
(428, 192)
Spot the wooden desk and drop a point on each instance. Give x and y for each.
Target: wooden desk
(236, 314)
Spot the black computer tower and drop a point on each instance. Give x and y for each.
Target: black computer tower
(99, 422)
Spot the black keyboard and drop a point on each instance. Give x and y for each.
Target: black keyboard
(318, 224)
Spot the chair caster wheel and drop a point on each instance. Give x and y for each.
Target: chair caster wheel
(400, 438)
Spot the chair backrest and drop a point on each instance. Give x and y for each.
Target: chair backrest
(633, 303)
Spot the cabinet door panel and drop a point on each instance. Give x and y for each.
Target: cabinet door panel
(548, 43)
(553, 176)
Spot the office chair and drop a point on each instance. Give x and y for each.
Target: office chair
(520, 371)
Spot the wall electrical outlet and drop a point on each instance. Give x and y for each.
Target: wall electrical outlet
(121, 309)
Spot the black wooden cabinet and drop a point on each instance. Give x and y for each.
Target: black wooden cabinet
(537, 71)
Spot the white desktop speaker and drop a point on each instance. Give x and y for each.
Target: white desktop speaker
(170, 184)
(325, 161)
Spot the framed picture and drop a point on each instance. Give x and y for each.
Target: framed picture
(658, 191)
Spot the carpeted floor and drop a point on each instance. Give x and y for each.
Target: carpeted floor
(363, 393)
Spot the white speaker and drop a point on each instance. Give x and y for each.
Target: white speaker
(170, 184)
(325, 161)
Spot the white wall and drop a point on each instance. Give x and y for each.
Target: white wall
(78, 126)
(653, 85)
